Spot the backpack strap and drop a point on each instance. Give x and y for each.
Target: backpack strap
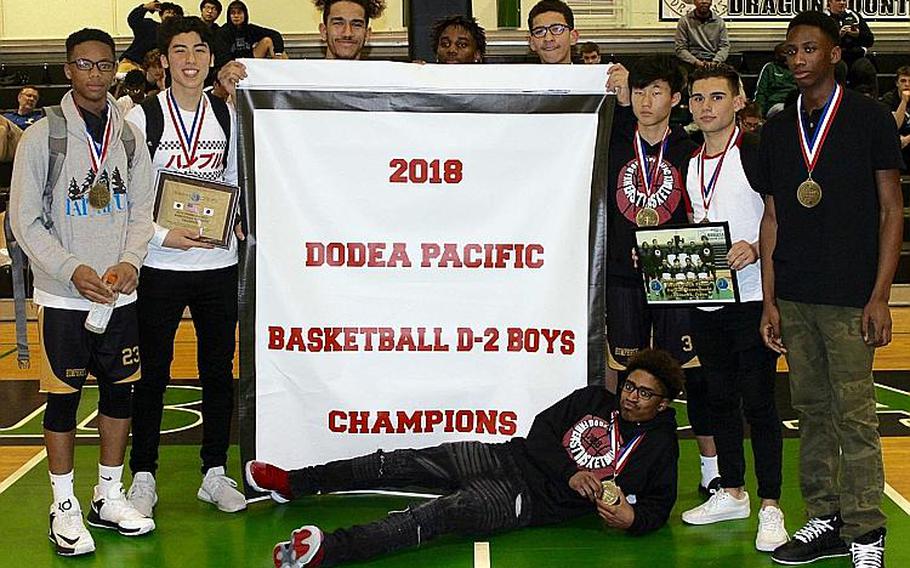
(223, 114)
(56, 145)
(17, 271)
(154, 123)
(128, 137)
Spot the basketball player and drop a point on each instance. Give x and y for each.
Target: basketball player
(552, 475)
(739, 370)
(648, 160)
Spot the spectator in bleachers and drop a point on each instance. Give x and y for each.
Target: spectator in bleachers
(776, 86)
(750, 118)
(209, 10)
(459, 39)
(590, 53)
(244, 40)
(131, 91)
(701, 36)
(154, 72)
(855, 40)
(9, 140)
(898, 100)
(26, 114)
(551, 31)
(145, 32)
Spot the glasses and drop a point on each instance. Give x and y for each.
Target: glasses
(555, 29)
(104, 66)
(643, 393)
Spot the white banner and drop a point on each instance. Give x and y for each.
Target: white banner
(419, 277)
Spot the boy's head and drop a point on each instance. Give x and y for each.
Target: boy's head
(551, 31)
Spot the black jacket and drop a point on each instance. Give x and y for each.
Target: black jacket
(624, 184)
(573, 435)
(145, 35)
(238, 41)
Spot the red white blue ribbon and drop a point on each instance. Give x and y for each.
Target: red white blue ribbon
(189, 140)
(812, 147)
(708, 191)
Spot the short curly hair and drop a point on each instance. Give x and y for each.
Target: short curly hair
(372, 8)
(663, 366)
(465, 22)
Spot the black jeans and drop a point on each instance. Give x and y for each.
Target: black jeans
(740, 373)
(211, 296)
(483, 493)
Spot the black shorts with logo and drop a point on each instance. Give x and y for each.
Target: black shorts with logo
(70, 353)
(633, 326)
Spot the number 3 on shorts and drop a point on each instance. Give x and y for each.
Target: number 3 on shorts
(686, 341)
(131, 356)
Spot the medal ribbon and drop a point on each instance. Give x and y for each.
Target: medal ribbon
(707, 191)
(620, 461)
(812, 148)
(98, 152)
(648, 175)
(189, 141)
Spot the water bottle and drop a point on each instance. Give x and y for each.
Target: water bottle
(100, 313)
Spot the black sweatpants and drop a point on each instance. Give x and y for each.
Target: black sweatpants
(483, 493)
(212, 298)
(740, 373)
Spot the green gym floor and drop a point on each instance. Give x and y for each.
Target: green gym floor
(193, 533)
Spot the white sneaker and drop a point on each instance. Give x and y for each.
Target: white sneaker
(220, 490)
(719, 507)
(67, 531)
(142, 494)
(771, 530)
(111, 510)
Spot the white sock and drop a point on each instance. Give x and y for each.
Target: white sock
(109, 475)
(62, 486)
(708, 470)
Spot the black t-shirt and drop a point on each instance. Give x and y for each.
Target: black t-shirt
(626, 192)
(828, 254)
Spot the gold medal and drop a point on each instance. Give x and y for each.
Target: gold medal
(647, 217)
(99, 196)
(610, 494)
(809, 193)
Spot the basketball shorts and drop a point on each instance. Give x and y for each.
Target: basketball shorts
(70, 353)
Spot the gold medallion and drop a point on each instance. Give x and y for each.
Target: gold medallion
(647, 217)
(809, 193)
(610, 494)
(99, 196)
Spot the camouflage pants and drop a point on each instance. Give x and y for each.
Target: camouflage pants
(832, 391)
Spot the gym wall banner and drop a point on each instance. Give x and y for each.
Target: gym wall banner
(425, 251)
(784, 10)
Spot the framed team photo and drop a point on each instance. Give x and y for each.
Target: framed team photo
(192, 203)
(686, 265)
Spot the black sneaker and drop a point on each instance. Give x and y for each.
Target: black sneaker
(711, 489)
(868, 551)
(819, 538)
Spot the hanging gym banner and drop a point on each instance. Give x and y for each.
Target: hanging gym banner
(784, 10)
(425, 252)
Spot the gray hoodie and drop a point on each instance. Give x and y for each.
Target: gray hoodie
(80, 234)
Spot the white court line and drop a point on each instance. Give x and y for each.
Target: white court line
(23, 469)
(25, 420)
(481, 555)
(892, 389)
(898, 499)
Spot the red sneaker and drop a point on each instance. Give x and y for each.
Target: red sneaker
(304, 550)
(267, 478)
(306, 547)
